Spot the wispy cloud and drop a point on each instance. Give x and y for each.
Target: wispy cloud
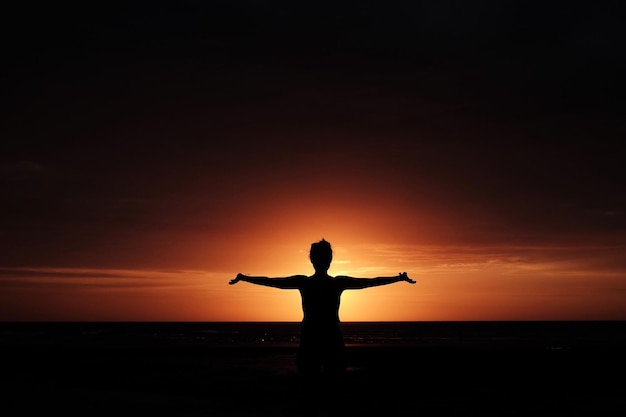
(25, 277)
(606, 259)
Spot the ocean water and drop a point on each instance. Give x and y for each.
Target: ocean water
(548, 334)
(249, 369)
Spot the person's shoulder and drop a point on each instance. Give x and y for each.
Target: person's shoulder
(342, 280)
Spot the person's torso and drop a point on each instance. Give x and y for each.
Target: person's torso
(321, 297)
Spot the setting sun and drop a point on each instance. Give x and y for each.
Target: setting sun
(251, 208)
(147, 160)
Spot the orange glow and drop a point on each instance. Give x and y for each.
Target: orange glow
(485, 289)
(371, 236)
(149, 160)
(378, 226)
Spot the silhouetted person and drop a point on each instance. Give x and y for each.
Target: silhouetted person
(322, 350)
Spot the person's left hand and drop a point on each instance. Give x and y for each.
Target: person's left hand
(236, 279)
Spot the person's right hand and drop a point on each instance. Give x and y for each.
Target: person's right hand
(406, 278)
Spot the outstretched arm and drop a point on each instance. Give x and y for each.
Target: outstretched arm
(292, 282)
(351, 283)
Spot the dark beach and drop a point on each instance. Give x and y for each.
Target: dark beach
(464, 375)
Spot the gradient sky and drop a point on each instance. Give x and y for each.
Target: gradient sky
(150, 152)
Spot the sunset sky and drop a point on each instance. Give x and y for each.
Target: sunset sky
(151, 151)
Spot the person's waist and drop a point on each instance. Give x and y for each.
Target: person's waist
(325, 322)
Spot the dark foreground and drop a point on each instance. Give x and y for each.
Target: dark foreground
(186, 379)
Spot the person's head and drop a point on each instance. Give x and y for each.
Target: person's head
(321, 255)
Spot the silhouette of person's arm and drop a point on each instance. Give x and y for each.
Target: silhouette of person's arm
(286, 283)
(352, 283)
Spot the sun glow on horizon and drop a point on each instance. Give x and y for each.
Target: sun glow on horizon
(459, 283)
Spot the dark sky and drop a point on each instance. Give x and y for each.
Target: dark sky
(115, 115)
(152, 150)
